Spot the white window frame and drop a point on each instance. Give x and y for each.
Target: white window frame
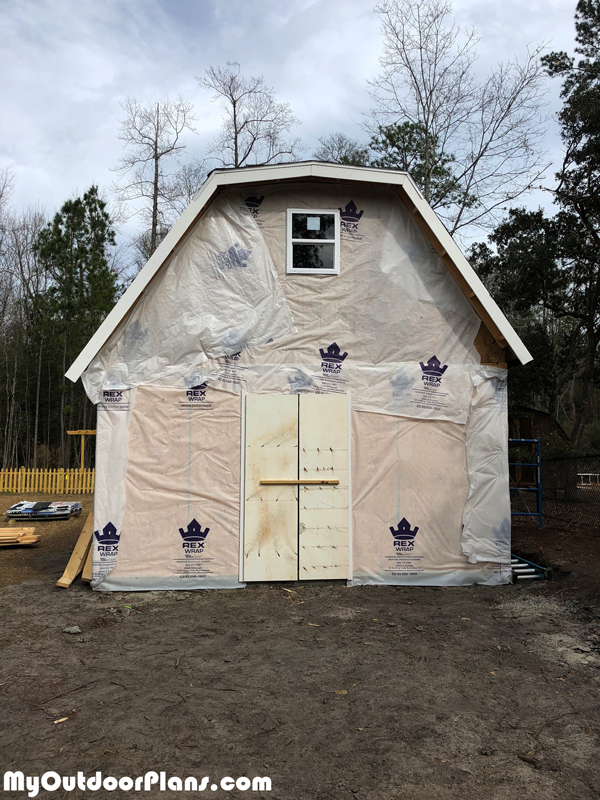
(335, 241)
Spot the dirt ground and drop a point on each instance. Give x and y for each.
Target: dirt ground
(376, 693)
(57, 538)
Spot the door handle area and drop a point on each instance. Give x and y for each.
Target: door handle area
(299, 483)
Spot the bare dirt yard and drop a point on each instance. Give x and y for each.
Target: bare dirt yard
(376, 693)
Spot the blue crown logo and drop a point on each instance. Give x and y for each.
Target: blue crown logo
(333, 354)
(433, 367)
(238, 256)
(233, 258)
(300, 383)
(194, 532)
(404, 532)
(350, 213)
(253, 203)
(109, 535)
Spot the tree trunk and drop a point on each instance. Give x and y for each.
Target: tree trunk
(37, 409)
(236, 153)
(62, 407)
(154, 228)
(585, 410)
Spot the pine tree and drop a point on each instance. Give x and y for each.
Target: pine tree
(74, 249)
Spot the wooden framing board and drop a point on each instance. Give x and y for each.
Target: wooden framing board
(12, 532)
(299, 483)
(16, 536)
(323, 509)
(23, 540)
(271, 512)
(491, 354)
(86, 575)
(79, 554)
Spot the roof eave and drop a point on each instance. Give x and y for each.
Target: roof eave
(222, 178)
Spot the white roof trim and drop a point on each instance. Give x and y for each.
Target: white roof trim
(278, 172)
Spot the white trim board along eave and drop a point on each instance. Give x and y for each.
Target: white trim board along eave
(282, 172)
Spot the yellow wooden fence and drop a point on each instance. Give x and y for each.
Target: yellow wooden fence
(48, 481)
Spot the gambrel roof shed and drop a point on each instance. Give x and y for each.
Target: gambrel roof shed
(496, 323)
(306, 380)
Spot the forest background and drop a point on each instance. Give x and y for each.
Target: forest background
(474, 144)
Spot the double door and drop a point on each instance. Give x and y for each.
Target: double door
(296, 488)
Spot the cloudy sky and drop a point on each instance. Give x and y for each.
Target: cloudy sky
(67, 64)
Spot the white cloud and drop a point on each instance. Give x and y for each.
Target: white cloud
(68, 63)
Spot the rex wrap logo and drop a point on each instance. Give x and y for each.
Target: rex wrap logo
(350, 217)
(107, 540)
(253, 204)
(112, 396)
(404, 536)
(431, 373)
(234, 257)
(332, 359)
(193, 537)
(197, 394)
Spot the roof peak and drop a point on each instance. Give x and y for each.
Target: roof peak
(222, 178)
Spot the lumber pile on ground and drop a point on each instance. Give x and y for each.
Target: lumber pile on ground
(86, 575)
(80, 554)
(12, 536)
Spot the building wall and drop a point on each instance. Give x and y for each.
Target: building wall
(225, 325)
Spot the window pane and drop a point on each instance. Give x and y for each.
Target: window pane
(313, 226)
(314, 256)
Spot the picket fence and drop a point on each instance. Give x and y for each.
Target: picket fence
(47, 481)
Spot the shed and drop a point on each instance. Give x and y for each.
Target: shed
(306, 381)
(531, 423)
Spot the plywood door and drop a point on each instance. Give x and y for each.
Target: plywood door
(323, 510)
(271, 512)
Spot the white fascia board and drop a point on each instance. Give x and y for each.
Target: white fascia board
(267, 174)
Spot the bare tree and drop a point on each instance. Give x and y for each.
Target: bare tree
(489, 131)
(255, 125)
(341, 149)
(6, 186)
(184, 184)
(152, 137)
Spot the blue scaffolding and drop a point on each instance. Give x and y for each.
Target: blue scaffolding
(538, 472)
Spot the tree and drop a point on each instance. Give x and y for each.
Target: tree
(152, 137)
(529, 277)
(57, 282)
(407, 146)
(255, 124)
(341, 149)
(20, 349)
(184, 184)
(6, 187)
(484, 136)
(578, 189)
(21, 333)
(74, 250)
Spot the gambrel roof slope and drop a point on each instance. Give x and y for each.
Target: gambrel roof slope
(433, 229)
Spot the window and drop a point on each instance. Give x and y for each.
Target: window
(313, 242)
